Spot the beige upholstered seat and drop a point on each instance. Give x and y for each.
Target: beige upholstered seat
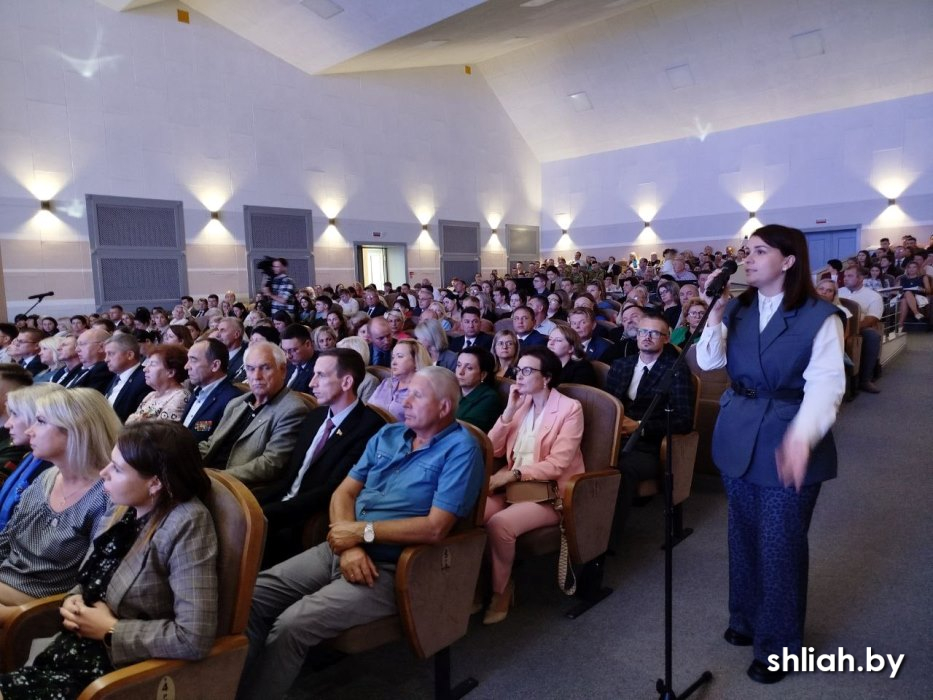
(379, 371)
(241, 531)
(434, 587)
(602, 373)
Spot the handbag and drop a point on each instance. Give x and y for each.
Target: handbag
(547, 492)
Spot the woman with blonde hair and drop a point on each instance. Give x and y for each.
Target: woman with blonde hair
(430, 333)
(148, 587)
(46, 539)
(323, 338)
(408, 356)
(165, 373)
(564, 342)
(49, 355)
(20, 413)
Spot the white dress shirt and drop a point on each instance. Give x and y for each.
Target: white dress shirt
(336, 421)
(824, 377)
(124, 377)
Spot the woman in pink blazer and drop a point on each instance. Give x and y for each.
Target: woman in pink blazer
(539, 432)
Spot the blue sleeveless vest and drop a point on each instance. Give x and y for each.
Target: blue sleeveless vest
(770, 364)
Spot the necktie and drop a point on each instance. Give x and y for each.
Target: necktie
(633, 389)
(468, 343)
(328, 427)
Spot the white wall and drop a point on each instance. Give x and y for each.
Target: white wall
(840, 166)
(138, 104)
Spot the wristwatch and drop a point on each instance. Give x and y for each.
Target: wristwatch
(517, 473)
(369, 533)
(108, 638)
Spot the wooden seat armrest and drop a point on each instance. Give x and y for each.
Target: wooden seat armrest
(215, 676)
(589, 506)
(434, 585)
(684, 460)
(33, 620)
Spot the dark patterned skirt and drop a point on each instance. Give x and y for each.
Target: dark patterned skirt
(61, 672)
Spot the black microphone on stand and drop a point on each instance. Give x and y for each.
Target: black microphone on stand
(715, 288)
(42, 296)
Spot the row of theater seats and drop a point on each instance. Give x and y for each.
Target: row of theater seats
(435, 584)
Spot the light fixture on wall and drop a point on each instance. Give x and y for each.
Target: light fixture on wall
(563, 232)
(215, 215)
(892, 202)
(647, 224)
(424, 227)
(494, 232)
(45, 205)
(753, 215)
(332, 222)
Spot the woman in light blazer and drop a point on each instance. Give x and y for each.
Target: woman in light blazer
(148, 586)
(539, 433)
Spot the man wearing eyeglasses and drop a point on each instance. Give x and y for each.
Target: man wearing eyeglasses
(633, 380)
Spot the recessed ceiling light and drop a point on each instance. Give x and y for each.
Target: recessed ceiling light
(808, 44)
(679, 76)
(325, 9)
(581, 102)
(535, 3)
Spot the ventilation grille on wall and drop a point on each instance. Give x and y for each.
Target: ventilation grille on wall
(140, 280)
(279, 233)
(137, 250)
(459, 238)
(136, 227)
(523, 242)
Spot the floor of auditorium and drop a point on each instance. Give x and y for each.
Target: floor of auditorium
(871, 567)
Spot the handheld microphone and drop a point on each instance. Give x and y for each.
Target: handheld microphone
(42, 296)
(715, 288)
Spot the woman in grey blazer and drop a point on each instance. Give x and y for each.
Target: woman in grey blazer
(148, 586)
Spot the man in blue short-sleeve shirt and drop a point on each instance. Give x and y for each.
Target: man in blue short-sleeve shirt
(411, 485)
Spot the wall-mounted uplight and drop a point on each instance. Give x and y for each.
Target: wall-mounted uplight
(647, 224)
(332, 222)
(45, 205)
(563, 232)
(892, 202)
(215, 215)
(494, 232)
(753, 215)
(424, 227)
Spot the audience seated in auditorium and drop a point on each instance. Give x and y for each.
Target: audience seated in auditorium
(916, 288)
(379, 336)
(506, 346)
(470, 318)
(872, 307)
(524, 326)
(296, 342)
(148, 589)
(212, 388)
(128, 387)
(694, 309)
(565, 344)
(432, 336)
(370, 382)
(93, 373)
(408, 356)
(256, 434)
(330, 440)
(12, 451)
(230, 333)
(24, 350)
(539, 434)
(412, 484)
(479, 400)
(165, 373)
(50, 530)
(633, 380)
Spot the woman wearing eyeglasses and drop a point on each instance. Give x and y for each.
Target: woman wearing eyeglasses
(539, 433)
(505, 352)
(690, 319)
(772, 440)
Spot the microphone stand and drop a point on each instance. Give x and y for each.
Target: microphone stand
(38, 301)
(663, 393)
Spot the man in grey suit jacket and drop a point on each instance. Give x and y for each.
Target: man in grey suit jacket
(257, 432)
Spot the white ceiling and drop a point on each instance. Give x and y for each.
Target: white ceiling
(651, 70)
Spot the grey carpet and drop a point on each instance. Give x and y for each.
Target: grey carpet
(871, 566)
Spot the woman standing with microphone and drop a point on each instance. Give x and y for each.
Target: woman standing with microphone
(772, 441)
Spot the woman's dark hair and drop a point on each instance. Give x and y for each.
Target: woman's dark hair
(571, 336)
(485, 360)
(239, 306)
(402, 301)
(798, 287)
(550, 365)
(182, 333)
(167, 450)
(174, 357)
(283, 317)
(267, 332)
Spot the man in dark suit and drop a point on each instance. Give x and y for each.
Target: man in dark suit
(230, 333)
(128, 387)
(523, 322)
(583, 321)
(470, 319)
(94, 373)
(296, 342)
(24, 350)
(207, 371)
(330, 441)
(380, 343)
(371, 304)
(633, 381)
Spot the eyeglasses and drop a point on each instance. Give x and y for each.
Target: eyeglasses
(650, 333)
(505, 344)
(525, 371)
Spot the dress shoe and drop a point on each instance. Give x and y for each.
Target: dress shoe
(869, 388)
(499, 606)
(737, 639)
(759, 673)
